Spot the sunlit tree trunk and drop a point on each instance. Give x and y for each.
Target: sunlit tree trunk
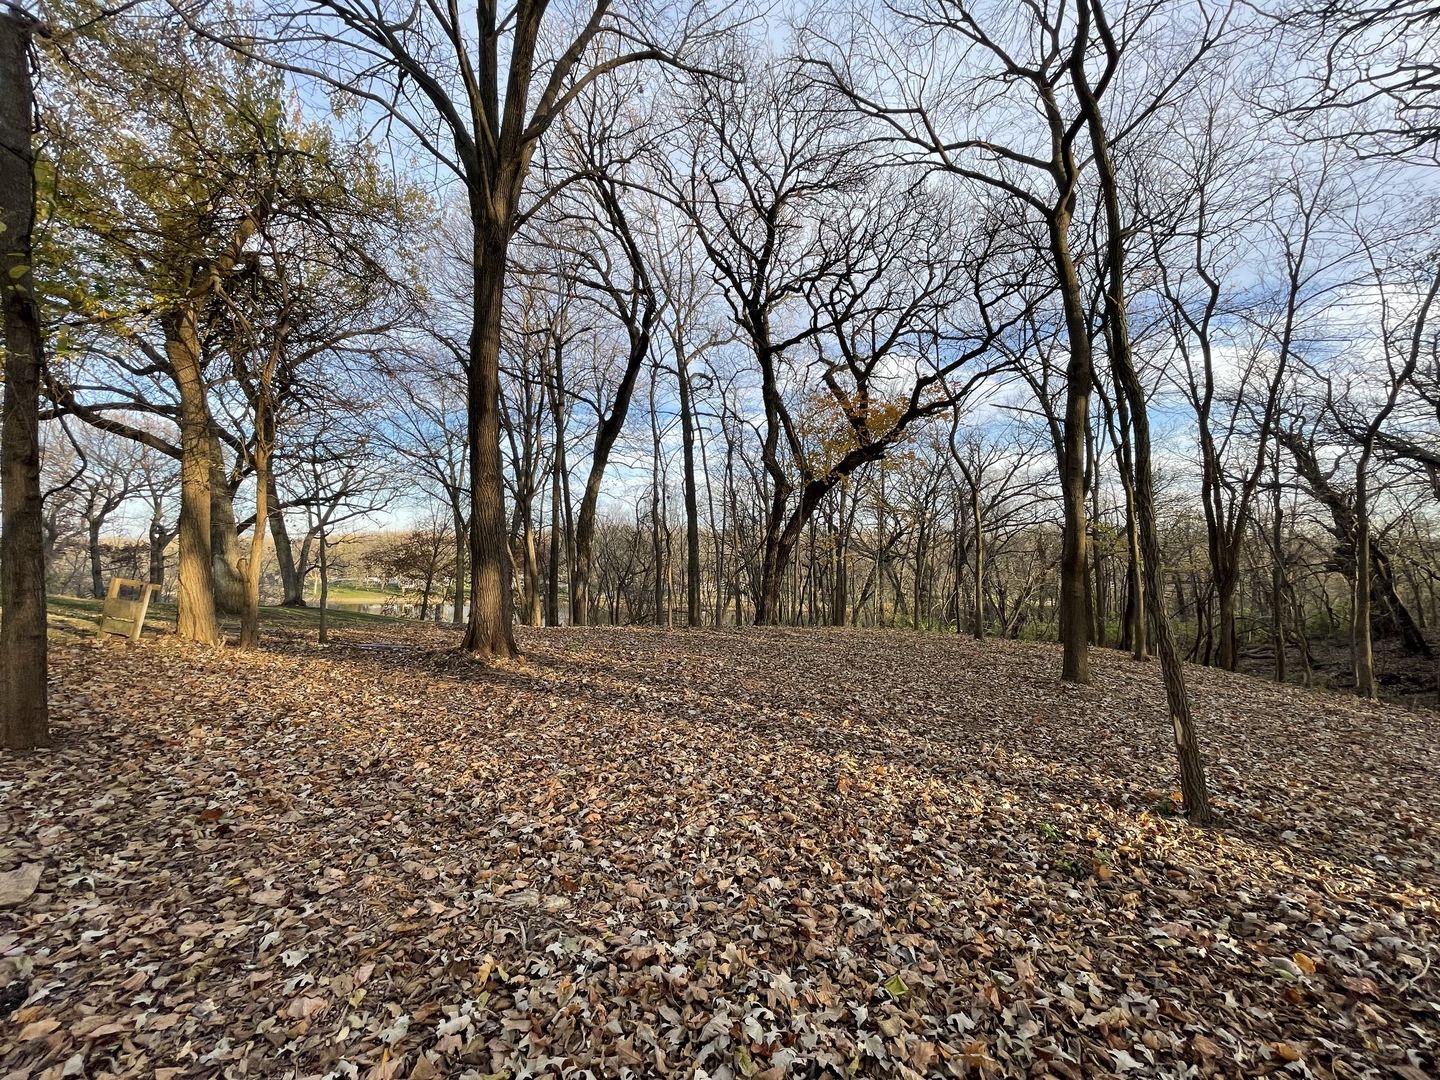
(489, 631)
(196, 617)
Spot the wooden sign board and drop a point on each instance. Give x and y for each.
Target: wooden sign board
(121, 616)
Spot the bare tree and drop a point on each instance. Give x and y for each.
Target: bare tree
(478, 97)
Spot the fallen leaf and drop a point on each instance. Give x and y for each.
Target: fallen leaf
(17, 886)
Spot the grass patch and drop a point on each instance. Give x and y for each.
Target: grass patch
(72, 617)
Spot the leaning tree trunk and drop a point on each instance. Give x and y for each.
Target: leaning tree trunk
(24, 711)
(488, 632)
(605, 437)
(1187, 747)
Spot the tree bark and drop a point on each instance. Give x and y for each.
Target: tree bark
(605, 436)
(559, 489)
(97, 572)
(979, 614)
(692, 494)
(1074, 557)
(225, 548)
(552, 578)
(462, 552)
(1277, 582)
(489, 632)
(291, 583)
(24, 708)
(1192, 772)
(324, 585)
(534, 615)
(250, 614)
(159, 539)
(196, 619)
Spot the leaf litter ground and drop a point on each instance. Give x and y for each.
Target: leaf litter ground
(755, 854)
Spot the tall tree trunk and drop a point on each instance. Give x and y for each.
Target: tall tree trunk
(159, 539)
(291, 583)
(1360, 618)
(692, 494)
(552, 582)
(1095, 589)
(489, 631)
(880, 550)
(324, 584)
(1227, 654)
(196, 617)
(534, 615)
(560, 526)
(1134, 636)
(978, 629)
(224, 536)
(772, 567)
(1277, 576)
(251, 565)
(656, 545)
(1187, 747)
(462, 551)
(605, 437)
(97, 573)
(1074, 558)
(1361, 639)
(24, 708)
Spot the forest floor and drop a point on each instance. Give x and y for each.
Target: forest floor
(751, 854)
